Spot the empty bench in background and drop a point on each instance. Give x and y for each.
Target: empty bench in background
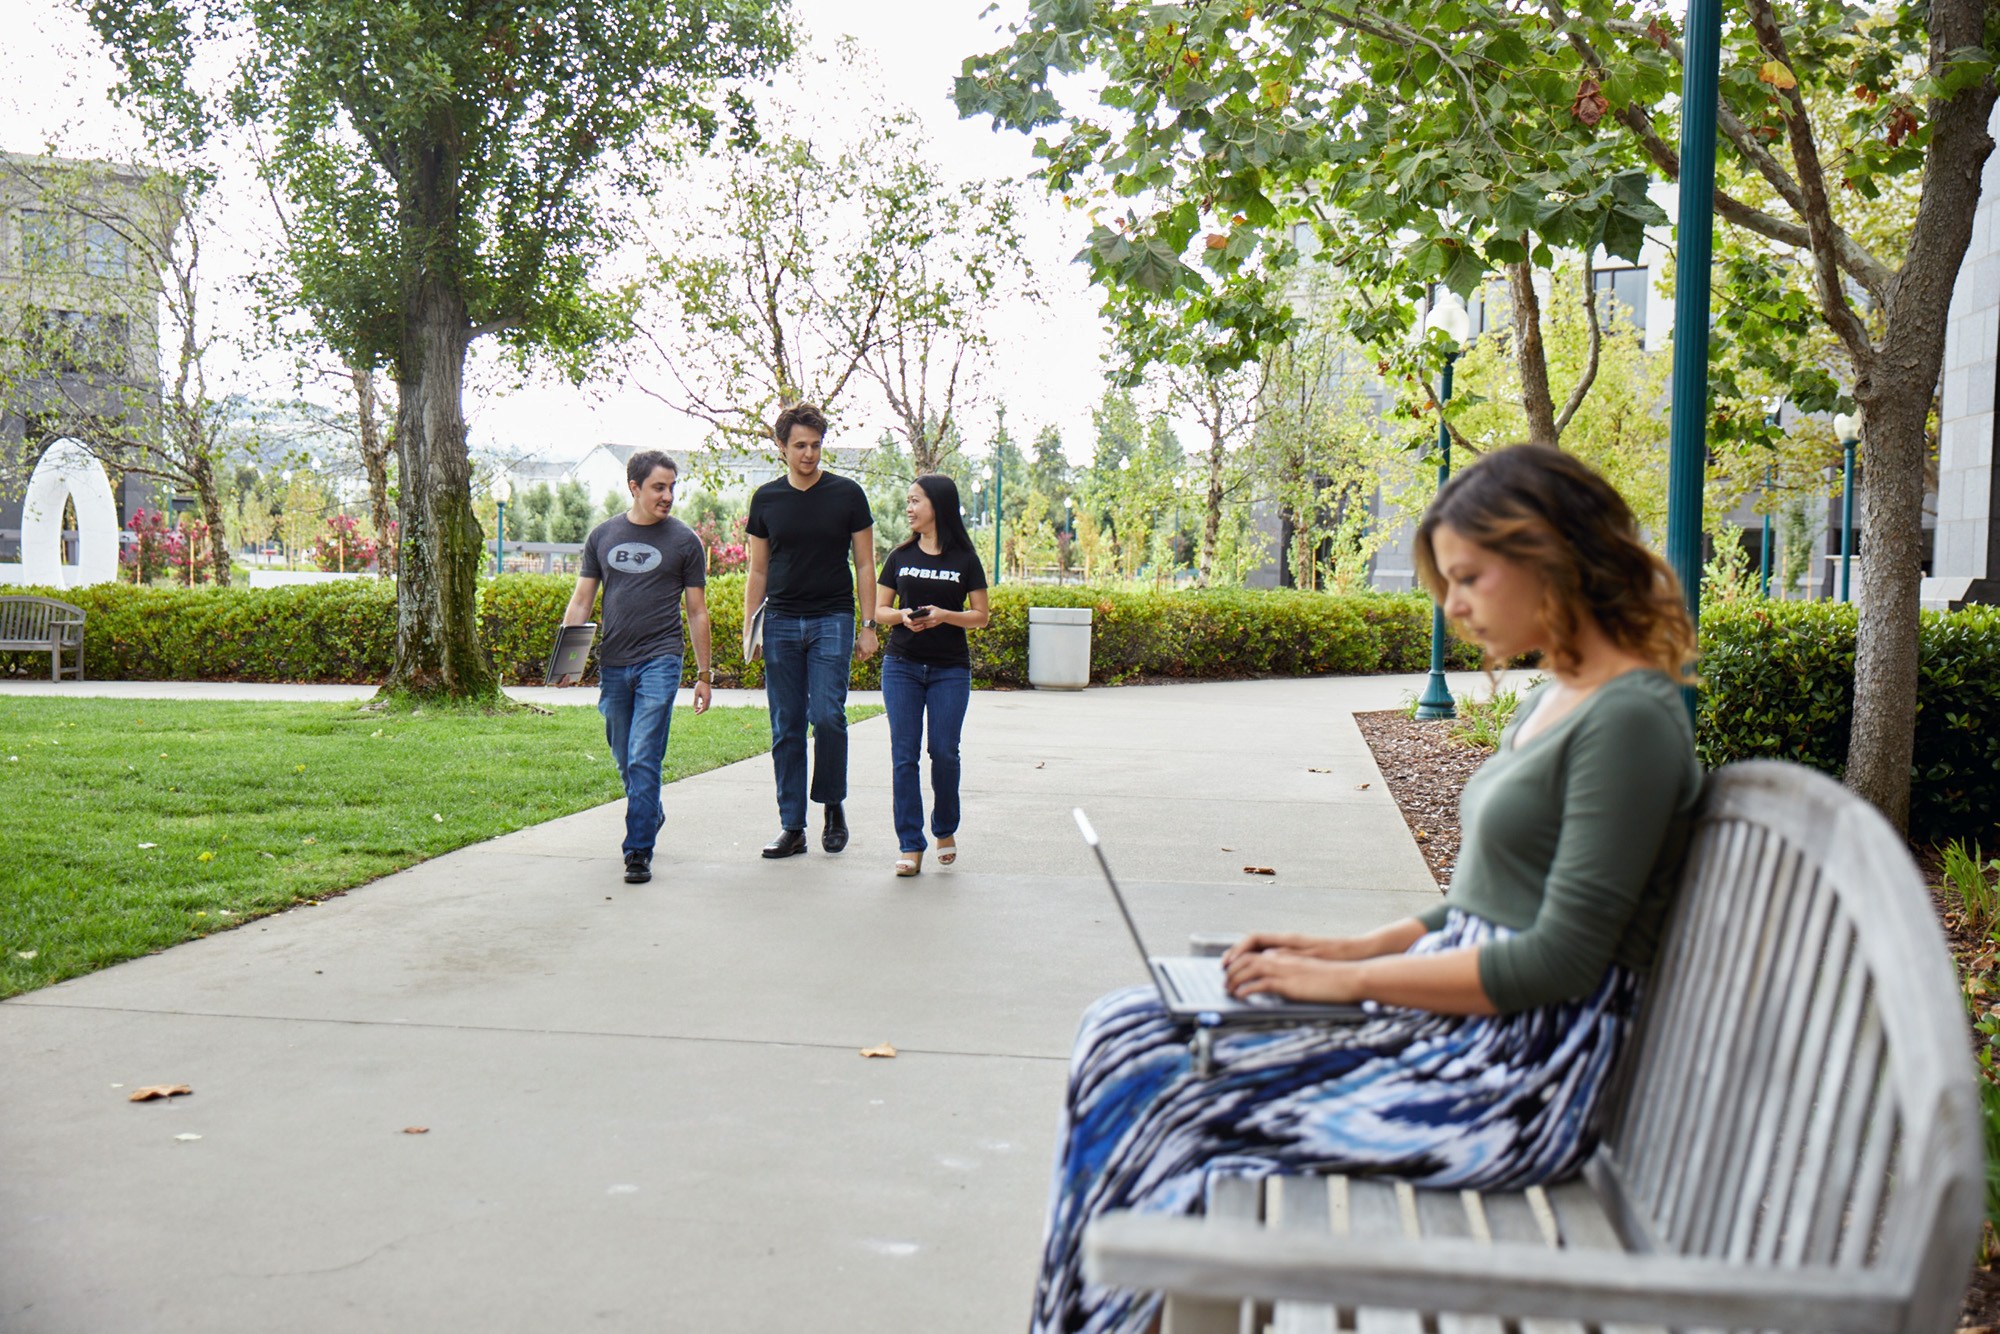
(43, 625)
(1795, 1144)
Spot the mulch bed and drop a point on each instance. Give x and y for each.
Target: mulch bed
(1425, 770)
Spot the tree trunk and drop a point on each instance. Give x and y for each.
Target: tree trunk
(1211, 526)
(210, 499)
(1895, 397)
(1529, 354)
(375, 462)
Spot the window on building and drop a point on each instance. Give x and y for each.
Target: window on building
(44, 243)
(106, 253)
(76, 342)
(1621, 294)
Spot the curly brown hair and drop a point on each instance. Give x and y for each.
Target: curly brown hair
(798, 414)
(1554, 514)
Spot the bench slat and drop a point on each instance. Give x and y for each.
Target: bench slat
(1671, 1038)
(1798, 972)
(1236, 1199)
(1374, 1211)
(1798, 1100)
(1751, 1052)
(1301, 1204)
(1819, 1145)
(1862, 1094)
(1584, 1226)
(1721, 1019)
(1446, 1214)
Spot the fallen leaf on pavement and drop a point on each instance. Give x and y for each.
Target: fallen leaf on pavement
(187, 1137)
(152, 1091)
(1260, 870)
(1361, 787)
(884, 1050)
(1422, 836)
(1041, 764)
(1319, 771)
(416, 1130)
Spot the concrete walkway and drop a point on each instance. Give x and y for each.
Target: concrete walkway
(646, 1106)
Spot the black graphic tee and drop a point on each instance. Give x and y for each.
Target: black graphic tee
(944, 581)
(644, 568)
(811, 533)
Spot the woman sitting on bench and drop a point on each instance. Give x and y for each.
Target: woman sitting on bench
(1503, 1009)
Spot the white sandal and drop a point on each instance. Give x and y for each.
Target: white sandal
(909, 863)
(947, 850)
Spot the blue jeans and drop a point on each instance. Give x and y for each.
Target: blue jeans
(807, 660)
(638, 707)
(911, 689)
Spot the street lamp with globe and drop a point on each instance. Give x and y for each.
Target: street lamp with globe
(1449, 317)
(1847, 425)
(503, 491)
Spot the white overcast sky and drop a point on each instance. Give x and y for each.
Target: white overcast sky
(1046, 364)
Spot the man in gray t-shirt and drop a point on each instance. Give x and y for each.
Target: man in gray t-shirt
(648, 562)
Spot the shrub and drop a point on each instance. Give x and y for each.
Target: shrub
(345, 632)
(1778, 681)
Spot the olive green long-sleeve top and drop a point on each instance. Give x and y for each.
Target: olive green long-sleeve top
(1574, 840)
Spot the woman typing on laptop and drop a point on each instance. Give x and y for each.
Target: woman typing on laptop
(1502, 1011)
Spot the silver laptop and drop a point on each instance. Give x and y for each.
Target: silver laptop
(1193, 987)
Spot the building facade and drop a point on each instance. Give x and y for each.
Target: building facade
(79, 319)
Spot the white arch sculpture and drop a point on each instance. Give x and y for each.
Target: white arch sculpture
(66, 471)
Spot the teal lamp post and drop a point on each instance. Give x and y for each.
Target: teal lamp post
(1449, 317)
(999, 474)
(1847, 426)
(503, 491)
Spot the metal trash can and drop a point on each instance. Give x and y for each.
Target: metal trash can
(1058, 648)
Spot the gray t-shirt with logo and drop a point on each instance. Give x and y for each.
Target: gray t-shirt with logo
(643, 567)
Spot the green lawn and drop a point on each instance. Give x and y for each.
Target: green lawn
(130, 826)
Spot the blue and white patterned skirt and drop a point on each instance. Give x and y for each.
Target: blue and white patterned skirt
(1482, 1102)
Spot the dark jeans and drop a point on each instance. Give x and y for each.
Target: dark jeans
(638, 707)
(807, 660)
(910, 690)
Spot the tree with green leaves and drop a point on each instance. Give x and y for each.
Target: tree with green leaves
(458, 172)
(1415, 145)
(1472, 135)
(817, 254)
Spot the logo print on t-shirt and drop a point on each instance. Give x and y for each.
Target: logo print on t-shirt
(633, 557)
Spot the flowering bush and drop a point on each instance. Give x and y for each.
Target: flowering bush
(162, 550)
(726, 554)
(343, 550)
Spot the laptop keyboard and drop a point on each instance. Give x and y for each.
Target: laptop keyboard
(1198, 981)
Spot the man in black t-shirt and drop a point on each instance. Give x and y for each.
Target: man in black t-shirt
(648, 562)
(804, 529)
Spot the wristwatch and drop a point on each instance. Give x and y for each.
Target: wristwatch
(867, 623)
(705, 674)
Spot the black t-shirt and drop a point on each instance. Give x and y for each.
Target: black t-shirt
(645, 569)
(811, 533)
(944, 581)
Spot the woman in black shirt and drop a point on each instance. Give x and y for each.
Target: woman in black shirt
(931, 591)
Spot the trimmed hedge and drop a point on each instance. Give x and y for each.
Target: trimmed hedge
(345, 632)
(1778, 682)
(1778, 676)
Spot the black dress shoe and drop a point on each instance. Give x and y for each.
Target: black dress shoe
(790, 843)
(638, 868)
(834, 837)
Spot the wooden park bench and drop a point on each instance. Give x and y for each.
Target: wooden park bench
(1795, 1142)
(43, 625)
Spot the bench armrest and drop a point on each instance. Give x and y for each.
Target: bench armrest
(1230, 1260)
